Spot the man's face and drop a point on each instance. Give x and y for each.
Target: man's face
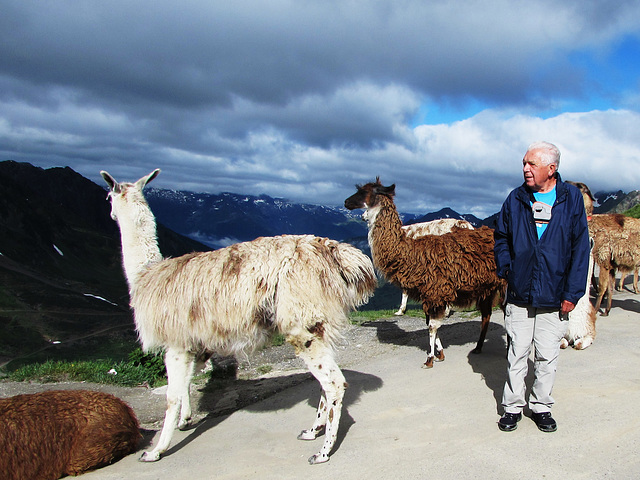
(536, 174)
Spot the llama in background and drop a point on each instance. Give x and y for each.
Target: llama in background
(52, 434)
(434, 227)
(231, 299)
(456, 268)
(616, 248)
(582, 319)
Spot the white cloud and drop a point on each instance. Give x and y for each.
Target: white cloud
(302, 100)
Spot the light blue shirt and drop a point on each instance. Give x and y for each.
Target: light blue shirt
(549, 198)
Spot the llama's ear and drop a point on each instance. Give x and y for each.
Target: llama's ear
(144, 180)
(111, 182)
(390, 190)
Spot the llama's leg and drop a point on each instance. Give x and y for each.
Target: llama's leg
(179, 368)
(429, 362)
(485, 310)
(439, 355)
(635, 280)
(483, 333)
(319, 424)
(319, 359)
(403, 305)
(435, 345)
(603, 285)
(612, 279)
(185, 389)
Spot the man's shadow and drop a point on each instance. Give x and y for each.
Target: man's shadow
(492, 365)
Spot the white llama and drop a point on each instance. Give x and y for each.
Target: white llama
(231, 299)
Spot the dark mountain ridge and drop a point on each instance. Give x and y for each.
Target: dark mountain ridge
(60, 259)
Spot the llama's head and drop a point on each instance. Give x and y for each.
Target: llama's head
(368, 195)
(123, 194)
(586, 196)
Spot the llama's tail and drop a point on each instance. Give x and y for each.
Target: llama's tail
(357, 272)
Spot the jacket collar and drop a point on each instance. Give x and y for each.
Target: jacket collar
(525, 194)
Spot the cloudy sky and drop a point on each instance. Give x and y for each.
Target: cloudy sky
(303, 99)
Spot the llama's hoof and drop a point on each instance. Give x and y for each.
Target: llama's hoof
(428, 363)
(604, 314)
(184, 424)
(564, 343)
(149, 457)
(477, 351)
(582, 343)
(440, 356)
(307, 435)
(318, 458)
(399, 313)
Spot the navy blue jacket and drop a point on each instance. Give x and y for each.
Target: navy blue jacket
(542, 273)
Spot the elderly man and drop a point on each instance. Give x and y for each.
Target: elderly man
(542, 250)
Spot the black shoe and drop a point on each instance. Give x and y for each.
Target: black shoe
(509, 422)
(545, 422)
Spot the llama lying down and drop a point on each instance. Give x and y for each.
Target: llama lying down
(51, 434)
(229, 300)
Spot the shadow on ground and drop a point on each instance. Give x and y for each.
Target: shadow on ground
(452, 332)
(218, 400)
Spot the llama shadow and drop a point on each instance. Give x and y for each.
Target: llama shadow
(249, 395)
(452, 332)
(147, 439)
(627, 304)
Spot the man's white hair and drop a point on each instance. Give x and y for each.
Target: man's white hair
(549, 153)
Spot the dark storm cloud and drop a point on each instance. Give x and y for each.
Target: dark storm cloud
(295, 98)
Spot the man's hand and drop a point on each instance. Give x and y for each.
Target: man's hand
(566, 307)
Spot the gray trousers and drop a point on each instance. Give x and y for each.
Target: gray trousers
(542, 328)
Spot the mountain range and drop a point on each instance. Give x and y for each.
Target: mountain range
(61, 277)
(62, 289)
(226, 218)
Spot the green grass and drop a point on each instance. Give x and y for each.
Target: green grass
(136, 367)
(363, 316)
(633, 212)
(277, 339)
(139, 369)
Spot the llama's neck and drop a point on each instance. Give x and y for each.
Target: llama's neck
(139, 241)
(385, 232)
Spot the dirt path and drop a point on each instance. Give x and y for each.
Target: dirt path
(403, 422)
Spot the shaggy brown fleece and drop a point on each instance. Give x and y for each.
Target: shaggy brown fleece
(454, 269)
(48, 435)
(616, 247)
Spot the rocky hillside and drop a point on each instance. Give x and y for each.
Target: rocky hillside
(60, 265)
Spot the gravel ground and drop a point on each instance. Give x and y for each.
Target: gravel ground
(271, 370)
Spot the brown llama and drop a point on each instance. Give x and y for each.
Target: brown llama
(231, 299)
(616, 248)
(456, 268)
(56, 433)
(434, 227)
